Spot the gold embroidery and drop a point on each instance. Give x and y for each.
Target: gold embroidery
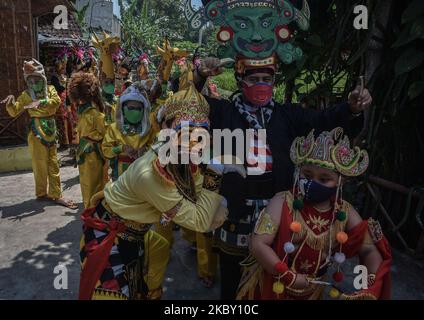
(319, 223)
(313, 240)
(358, 296)
(265, 225)
(375, 230)
(305, 265)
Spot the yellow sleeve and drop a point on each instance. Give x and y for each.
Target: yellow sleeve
(114, 111)
(53, 101)
(15, 109)
(196, 216)
(95, 120)
(199, 216)
(109, 141)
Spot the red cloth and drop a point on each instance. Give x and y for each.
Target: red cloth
(283, 236)
(98, 254)
(382, 286)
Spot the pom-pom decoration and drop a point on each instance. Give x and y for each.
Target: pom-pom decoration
(339, 257)
(341, 216)
(295, 227)
(281, 267)
(289, 247)
(342, 237)
(298, 204)
(278, 287)
(338, 276)
(334, 293)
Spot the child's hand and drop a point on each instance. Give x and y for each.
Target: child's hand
(9, 99)
(301, 282)
(33, 105)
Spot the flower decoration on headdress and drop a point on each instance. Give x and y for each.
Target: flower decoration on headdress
(62, 55)
(118, 55)
(80, 53)
(253, 29)
(330, 150)
(144, 58)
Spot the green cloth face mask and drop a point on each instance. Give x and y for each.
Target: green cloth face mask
(38, 86)
(109, 88)
(133, 116)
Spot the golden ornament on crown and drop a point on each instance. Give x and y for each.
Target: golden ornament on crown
(330, 150)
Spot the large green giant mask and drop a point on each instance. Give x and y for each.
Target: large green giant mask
(254, 34)
(253, 29)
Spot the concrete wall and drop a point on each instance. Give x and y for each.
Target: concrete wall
(15, 159)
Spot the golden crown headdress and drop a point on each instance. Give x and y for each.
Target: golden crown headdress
(330, 150)
(188, 105)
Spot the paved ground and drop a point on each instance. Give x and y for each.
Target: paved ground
(36, 236)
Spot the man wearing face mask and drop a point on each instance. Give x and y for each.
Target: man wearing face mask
(133, 132)
(255, 108)
(41, 102)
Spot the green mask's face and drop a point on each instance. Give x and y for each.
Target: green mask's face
(36, 84)
(254, 34)
(109, 88)
(133, 112)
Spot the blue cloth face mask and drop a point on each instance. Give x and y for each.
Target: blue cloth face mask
(315, 192)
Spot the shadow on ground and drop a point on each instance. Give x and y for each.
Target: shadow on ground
(31, 274)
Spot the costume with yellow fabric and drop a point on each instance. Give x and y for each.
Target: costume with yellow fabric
(84, 91)
(116, 258)
(41, 106)
(206, 259)
(107, 47)
(123, 133)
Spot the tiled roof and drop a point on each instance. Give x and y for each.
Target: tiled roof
(46, 29)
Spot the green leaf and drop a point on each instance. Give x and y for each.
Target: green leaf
(417, 28)
(408, 61)
(414, 10)
(416, 89)
(405, 37)
(308, 79)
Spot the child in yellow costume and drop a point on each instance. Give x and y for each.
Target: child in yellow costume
(125, 141)
(84, 91)
(117, 261)
(133, 132)
(107, 47)
(41, 101)
(206, 259)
